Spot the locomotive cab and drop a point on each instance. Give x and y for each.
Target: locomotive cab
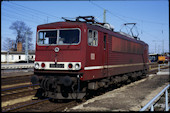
(59, 59)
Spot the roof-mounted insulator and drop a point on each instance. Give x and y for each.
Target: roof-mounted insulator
(91, 20)
(86, 18)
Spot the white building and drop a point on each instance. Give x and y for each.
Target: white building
(14, 56)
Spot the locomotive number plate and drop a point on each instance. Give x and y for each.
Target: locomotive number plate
(57, 65)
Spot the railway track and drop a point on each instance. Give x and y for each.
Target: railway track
(10, 80)
(51, 106)
(14, 95)
(18, 89)
(32, 105)
(23, 105)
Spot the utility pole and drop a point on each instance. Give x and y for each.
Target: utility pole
(104, 16)
(159, 46)
(155, 47)
(163, 46)
(7, 57)
(8, 52)
(159, 49)
(26, 48)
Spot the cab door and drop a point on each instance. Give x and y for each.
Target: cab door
(105, 54)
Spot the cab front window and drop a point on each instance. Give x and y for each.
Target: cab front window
(68, 37)
(59, 37)
(47, 37)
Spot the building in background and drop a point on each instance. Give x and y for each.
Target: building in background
(19, 47)
(15, 56)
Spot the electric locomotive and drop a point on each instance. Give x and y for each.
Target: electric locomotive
(75, 56)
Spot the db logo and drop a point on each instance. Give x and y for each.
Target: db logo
(56, 49)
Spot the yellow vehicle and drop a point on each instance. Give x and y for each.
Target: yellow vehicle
(161, 59)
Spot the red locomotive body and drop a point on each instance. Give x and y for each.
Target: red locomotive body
(73, 57)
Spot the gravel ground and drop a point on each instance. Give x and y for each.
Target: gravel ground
(131, 97)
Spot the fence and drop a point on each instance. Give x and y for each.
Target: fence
(151, 103)
(159, 66)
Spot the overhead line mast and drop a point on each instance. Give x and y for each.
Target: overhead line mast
(104, 16)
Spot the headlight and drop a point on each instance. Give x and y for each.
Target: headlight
(36, 66)
(77, 66)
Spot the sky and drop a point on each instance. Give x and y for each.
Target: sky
(151, 17)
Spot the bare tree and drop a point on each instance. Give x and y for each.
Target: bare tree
(8, 44)
(22, 31)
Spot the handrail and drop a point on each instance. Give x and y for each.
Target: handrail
(159, 66)
(150, 103)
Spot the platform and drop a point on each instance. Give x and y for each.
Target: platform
(131, 97)
(17, 66)
(164, 72)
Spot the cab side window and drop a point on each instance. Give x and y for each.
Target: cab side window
(92, 38)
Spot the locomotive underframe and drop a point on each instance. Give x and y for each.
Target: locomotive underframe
(60, 85)
(116, 79)
(70, 86)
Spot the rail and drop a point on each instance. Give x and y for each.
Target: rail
(25, 105)
(151, 103)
